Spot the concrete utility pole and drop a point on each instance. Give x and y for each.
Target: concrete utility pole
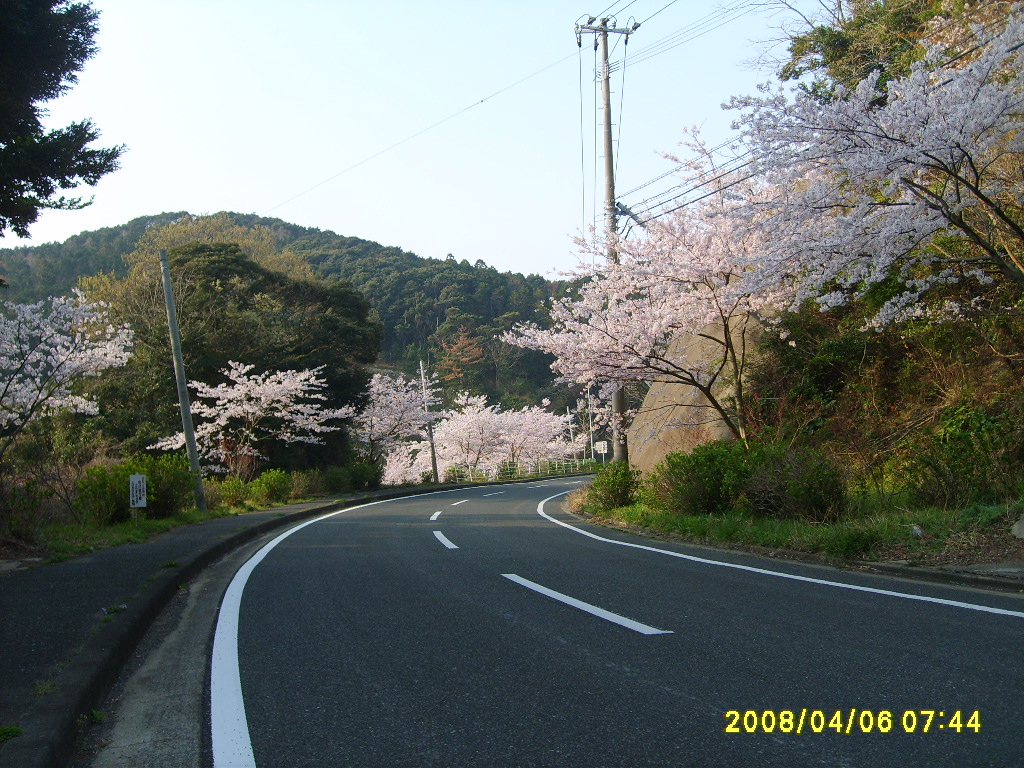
(179, 377)
(620, 450)
(430, 426)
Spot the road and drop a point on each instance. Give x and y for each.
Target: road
(484, 627)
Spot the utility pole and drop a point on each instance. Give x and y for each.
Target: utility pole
(430, 426)
(179, 378)
(620, 450)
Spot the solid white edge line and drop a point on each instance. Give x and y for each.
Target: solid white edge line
(615, 618)
(444, 540)
(230, 741)
(777, 574)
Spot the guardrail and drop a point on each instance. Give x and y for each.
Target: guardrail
(520, 471)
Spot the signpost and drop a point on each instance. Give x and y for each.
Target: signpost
(601, 446)
(136, 494)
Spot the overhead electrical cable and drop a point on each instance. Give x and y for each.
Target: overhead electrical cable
(697, 29)
(414, 135)
(700, 184)
(658, 11)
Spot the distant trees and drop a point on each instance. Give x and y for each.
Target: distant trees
(230, 308)
(43, 45)
(424, 305)
(473, 436)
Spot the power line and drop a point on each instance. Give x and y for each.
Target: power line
(728, 171)
(692, 31)
(414, 135)
(658, 11)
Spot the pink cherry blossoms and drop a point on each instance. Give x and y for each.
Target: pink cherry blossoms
(395, 410)
(479, 438)
(46, 348)
(684, 281)
(920, 181)
(253, 409)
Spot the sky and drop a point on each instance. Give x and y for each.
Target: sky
(463, 127)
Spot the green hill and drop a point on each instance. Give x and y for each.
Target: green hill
(441, 310)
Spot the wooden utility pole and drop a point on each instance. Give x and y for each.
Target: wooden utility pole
(179, 377)
(620, 449)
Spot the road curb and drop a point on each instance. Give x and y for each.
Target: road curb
(937, 575)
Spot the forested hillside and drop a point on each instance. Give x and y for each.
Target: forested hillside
(445, 312)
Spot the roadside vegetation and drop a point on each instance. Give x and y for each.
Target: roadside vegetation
(767, 499)
(99, 514)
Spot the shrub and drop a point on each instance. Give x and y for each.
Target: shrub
(21, 510)
(212, 492)
(707, 481)
(305, 483)
(102, 493)
(615, 486)
(766, 481)
(272, 486)
(971, 458)
(365, 475)
(234, 491)
(793, 482)
(337, 479)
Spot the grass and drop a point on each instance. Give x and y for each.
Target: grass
(67, 539)
(8, 732)
(43, 687)
(873, 532)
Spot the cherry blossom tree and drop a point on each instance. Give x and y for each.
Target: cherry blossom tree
(46, 349)
(251, 410)
(682, 281)
(919, 180)
(478, 437)
(395, 411)
(534, 434)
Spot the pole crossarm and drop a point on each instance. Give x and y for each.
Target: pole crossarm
(603, 28)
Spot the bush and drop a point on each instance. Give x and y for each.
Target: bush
(707, 481)
(365, 476)
(271, 487)
(615, 486)
(102, 493)
(21, 510)
(306, 483)
(971, 458)
(337, 479)
(766, 481)
(793, 482)
(234, 491)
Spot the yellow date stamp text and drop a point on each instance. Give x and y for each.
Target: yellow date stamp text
(848, 721)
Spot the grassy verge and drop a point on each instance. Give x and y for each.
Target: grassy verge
(67, 539)
(921, 536)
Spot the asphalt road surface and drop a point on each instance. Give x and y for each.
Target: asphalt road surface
(484, 627)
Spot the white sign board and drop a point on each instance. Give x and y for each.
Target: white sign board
(137, 491)
(601, 446)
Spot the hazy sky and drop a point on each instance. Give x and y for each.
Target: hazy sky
(293, 110)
